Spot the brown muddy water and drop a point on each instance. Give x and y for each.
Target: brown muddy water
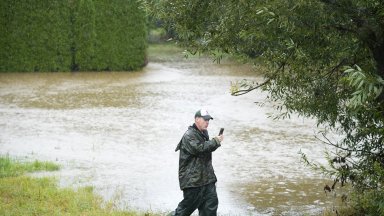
(117, 131)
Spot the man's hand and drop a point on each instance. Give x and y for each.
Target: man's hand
(221, 137)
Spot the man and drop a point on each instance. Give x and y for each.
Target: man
(196, 175)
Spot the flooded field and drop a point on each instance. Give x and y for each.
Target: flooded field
(117, 131)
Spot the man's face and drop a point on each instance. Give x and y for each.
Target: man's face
(201, 123)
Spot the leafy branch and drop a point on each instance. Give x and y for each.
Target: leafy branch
(235, 91)
(366, 87)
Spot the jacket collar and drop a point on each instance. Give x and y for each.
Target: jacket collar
(204, 133)
(194, 127)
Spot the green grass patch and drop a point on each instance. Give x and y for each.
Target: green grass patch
(40, 196)
(24, 195)
(171, 52)
(157, 35)
(165, 52)
(10, 167)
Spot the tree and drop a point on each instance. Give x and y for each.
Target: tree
(325, 59)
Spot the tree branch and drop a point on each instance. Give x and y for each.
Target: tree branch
(330, 143)
(245, 91)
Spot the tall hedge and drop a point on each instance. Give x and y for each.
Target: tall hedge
(63, 35)
(121, 35)
(35, 36)
(84, 35)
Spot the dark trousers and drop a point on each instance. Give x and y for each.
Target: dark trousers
(203, 198)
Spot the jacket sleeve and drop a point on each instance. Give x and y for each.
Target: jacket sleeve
(195, 147)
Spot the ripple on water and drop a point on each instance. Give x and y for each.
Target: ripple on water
(283, 196)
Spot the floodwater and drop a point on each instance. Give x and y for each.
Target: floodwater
(117, 131)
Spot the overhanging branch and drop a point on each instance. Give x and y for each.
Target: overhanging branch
(328, 142)
(245, 91)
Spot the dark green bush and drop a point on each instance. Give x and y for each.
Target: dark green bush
(68, 35)
(121, 35)
(367, 203)
(35, 36)
(84, 35)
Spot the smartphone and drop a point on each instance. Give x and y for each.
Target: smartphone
(221, 131)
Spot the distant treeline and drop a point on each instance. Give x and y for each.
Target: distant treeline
(72, 35)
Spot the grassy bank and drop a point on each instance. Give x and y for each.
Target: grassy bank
(23, 195)
(170, 52)
(12, 168)
(165, 52)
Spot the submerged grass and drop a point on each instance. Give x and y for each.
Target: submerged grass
(10, 167)
(24, 195)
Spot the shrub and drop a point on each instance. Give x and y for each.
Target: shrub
(72, 35)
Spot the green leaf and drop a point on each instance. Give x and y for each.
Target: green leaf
(357, 92)
(350, 70)
(358, 68)
(370, 88)
(360, 84)
(270, 20)
(378, 91)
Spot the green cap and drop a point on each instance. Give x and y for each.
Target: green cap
(204, 114)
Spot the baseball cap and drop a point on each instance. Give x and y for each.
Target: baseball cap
(204, 114)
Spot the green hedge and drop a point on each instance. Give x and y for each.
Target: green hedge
(64, 35)
(83, 46)
(119, 28)
(35, 36)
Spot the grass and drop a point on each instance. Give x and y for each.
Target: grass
(165, 52)
(24, 195)
(170, 52)
(10, 167)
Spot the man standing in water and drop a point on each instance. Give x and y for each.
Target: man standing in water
(196, 175)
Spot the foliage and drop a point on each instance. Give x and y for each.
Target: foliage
(84, 35)
(156, 31)
(325, 60)
(10, 167)
(157, 35)
(369, 203)
(34, 36)
(121, 35)
(72, 35)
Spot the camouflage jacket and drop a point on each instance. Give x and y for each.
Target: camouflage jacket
(195, 162)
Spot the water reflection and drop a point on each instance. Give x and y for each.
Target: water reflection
(117, 131)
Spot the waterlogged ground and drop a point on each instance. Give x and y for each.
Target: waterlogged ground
(117, 131)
